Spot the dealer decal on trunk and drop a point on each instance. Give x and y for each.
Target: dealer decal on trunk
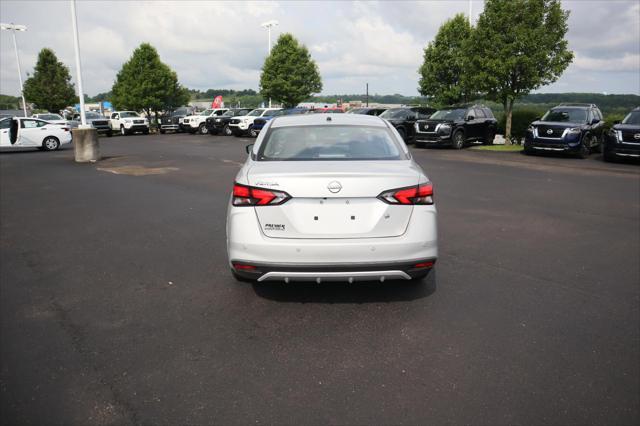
(273, 227)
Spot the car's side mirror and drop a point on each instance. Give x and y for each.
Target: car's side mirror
(248, 148)
(470, 117)
(595, 121)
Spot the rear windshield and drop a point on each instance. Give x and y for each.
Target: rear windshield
(568, 115)
(632, 118)
(330, 143)
(449, 114)
(400, 114)
(49, 117)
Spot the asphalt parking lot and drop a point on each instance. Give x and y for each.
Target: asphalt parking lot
(117, 306)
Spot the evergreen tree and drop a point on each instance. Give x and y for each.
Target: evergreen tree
(445, 75)
(50, 86)
(289, 75)
(146, 83)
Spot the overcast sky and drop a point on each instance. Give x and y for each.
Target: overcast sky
(221, 44)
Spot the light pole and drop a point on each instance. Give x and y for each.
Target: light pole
(85, 138)
(470, 10)
(76, 45)
(13, 28)
(268, 25)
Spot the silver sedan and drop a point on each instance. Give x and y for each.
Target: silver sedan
(331, 197)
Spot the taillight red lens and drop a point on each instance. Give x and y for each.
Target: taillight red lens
(243, 267)
(244, 195)
(419, 194)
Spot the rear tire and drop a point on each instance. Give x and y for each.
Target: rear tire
(489, 137)
(226, 130)
(145, 132)
(253, 133)
(50, 143)
(584, 151)
(202, 129)
(109, 133)
(403, 134)
(457, 142)
(162, 132)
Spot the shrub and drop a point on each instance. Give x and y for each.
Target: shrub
(520, 120)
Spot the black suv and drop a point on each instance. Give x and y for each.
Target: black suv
(571, 128)
(404, 119)
(171, 120)
(367, 111)
(457, 125)
(623, 139)
(215, 125)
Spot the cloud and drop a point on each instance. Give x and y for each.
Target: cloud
(221, 44)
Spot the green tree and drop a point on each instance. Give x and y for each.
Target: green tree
(146, 83)
(289, 75)
(519, 46)
(445, 74)
(50, 86)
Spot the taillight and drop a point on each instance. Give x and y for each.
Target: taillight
(244, 195)
(419, 194)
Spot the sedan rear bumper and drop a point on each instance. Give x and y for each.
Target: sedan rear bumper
(247, 244)
(336, 272)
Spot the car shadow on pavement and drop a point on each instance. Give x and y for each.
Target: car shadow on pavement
(339, 292)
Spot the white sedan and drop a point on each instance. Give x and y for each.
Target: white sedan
(30, 132)
(327, 197)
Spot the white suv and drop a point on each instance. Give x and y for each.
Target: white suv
(241, 125)
(128, 122)
(197, 123)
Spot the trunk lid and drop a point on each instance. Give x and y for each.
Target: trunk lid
(333, 199)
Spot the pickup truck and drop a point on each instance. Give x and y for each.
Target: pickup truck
(198, 123)
(128, 122)
(241, 125)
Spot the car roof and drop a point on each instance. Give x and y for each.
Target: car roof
(328, 119)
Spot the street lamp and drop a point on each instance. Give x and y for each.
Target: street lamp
(268, 25)
(85, 138)
(76, 45)
(13, 28)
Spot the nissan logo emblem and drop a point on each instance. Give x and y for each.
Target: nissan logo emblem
(636, 136)
(549, 131)
(334, 186)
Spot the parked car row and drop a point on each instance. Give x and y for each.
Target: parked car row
(576, 129)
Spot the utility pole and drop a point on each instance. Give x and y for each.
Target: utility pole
(367, 95)
(13, 28)
(470, 10)
(268, 25)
